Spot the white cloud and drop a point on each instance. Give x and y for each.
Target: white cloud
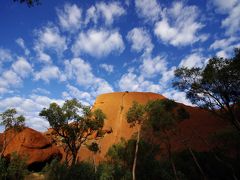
(22, 67)
(231, 9)
(49, 38)
(140, 40)
(179, 26)
(167, 75)
(41, 91)
(151, 67)
(223, 43)
(107, 67)
(73, 92)
(222, 6)
(91, 15)
(98, 43)
(193, 60)
(108, 11)
(5, 55)
(70, 17)
(232, 22)
(228, 50)
(81, 71)
(100, 86)
(148, 10)
(225, 46)
(30, 108)
(21, 43)
(49, 72)
(177, 96)
(133, 82)
(11, 78)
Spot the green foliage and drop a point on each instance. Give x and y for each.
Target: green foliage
(83, 120)
(105, 171)
(3, 168)
(120, 158)
(10, 120)
(135, 114)
(214, 87)
(210, 165)
(109, 171)
(164, 114)
(14, 169)
(56, 170)
(60, 171)
(122, 153)
(17, 168)
(94, 147)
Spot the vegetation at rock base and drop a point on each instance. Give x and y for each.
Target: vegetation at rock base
(61, 171)
(13, 168)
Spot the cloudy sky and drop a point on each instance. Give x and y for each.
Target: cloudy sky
(80, 49)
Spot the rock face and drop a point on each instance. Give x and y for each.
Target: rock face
(32, 144)
(115, 105)
(40, 147)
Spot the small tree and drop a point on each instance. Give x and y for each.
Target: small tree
(74, 123)
(214, 87)
(135, 115)
(163, 116)
(11, 121)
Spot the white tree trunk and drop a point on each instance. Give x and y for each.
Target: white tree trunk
(135, 155)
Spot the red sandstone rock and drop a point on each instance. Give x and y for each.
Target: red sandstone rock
(115, 105)
(30, 143)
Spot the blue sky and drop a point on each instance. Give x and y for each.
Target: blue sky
(80, 49)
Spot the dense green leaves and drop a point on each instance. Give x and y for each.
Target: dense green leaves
(135, 114)
(94, 147)
(214, 87)
(164, 114)
(14, 168)
(61, 171)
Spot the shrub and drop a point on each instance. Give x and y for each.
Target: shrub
(60, 171)
(14, 168)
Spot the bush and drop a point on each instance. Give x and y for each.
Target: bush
(14, 168)
(60, 171)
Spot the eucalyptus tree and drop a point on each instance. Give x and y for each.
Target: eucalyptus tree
(74, 123)
(136, 116)
(214, 87)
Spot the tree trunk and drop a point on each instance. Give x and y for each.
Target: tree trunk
(135, 155)
(174, 168)
(94, 162)
(168, 145)
(74, 158)
(196, 162)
